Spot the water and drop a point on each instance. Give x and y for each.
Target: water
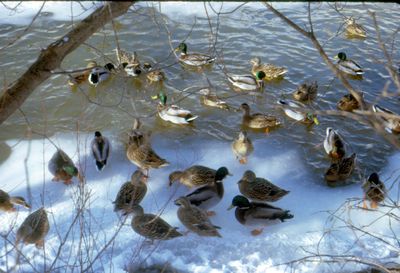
(250, 31)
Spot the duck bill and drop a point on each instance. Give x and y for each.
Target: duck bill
(336, 57)
(231, 207)
(154, 97)
(316, 121)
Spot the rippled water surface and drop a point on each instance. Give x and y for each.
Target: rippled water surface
(249, 31)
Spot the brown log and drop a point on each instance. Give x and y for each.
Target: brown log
(50, 58)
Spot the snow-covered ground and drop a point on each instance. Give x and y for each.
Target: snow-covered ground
(237, 251)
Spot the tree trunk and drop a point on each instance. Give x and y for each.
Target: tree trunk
(50, 58)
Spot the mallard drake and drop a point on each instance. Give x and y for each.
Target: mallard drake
(129, 62)
(193, 59)
(271, 71)
(7, 202)
(212, 100)
(100, 74)
(248, 82)
(100, 150)
(254, 213)
(80, 78)
(353, 29)
(306, 92)
(348, 66)
(153, 75)
(304, 117)
(142, 155)
(195, 219)
(348, 103)
(392, 124)
(334, 144)
(173, 113)
(340, 170)
(131, 193)
(242, 147)
(257, 120)
(209, 195)
(193, 176)
(62, 167)
(34, 228)
(374, 190)
(259, 189)
(152, 226)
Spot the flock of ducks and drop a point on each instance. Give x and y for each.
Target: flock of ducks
(207, 183)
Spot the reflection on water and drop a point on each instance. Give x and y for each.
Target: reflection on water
(244, 34)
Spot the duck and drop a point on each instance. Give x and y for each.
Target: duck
(142, 155)
(247, 82)
(173, 113)
(304, 117)
(193, 59)
(242, 147)
(348, 103)
(34, 229)
(100, 149)
(195, 219)
(152, 226)
(259, 189)
(353, 29)
(136, 135)
(258, 120)
(79, 78)
(254, 213)
(340, 170)
(348, 66)
(211, 99)
(194, 176)
(209, 195)
(62, 167)
(131, 193)
(334, 144)
(129, 62)
(392, 124)
(153, 75)
(271, 71)
(100, 74)
(374, 190)
(306, 92)
(7, 202)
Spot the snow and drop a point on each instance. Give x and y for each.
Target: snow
(236, 251)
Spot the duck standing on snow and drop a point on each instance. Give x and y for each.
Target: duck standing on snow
(34, 229)
(242, 147)
(7, 202)
(193, 176)
(247, 82)
(259, 189)
(257, 120)
(209, 195)
(306, 92)
(152, 226)
(348, 66)
(348, 103)
(334, 144)
(100, 74)
(254, 213)
(374, 191)
(173, 113)
(129, 62)
(304, 117)
(392, 124)
(195, 219)
(193, 59)
(340, 170)
(353, 29)
(62, 167)
(131, 193)
(100, 150)
(271, 71)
